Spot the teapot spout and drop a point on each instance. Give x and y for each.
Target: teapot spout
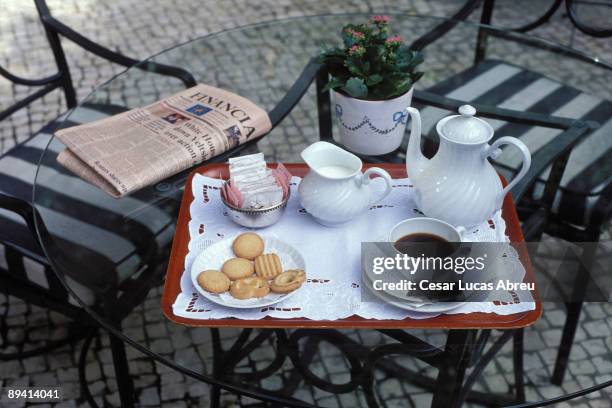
(415, 160)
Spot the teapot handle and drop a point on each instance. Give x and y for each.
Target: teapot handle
(493, 151)
(377, 170)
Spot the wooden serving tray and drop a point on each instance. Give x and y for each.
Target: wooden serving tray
(176, 267)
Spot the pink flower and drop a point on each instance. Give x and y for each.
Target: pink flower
(356, 50)
(357, 34)
(396, 39)
(380, 19)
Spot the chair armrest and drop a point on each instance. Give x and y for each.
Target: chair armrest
(19, 207)
(548, 155)
(295, 93)
(103, 52)
(29, 82)
(535, 224)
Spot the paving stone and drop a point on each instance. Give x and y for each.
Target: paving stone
(174, 404)
(199, 336)
(199, 389)
(552, 337)
(97, 387)
(149, 397)
(597, 329)
(595, 311)
(10, 369)
(188, 358)
(16, 335)
(145, 380)
(533, 341)
(581, 367)
(161, 346)
(135, 333)
(173, 391)
(595, 347)
(421, 400)
(40, 379)
(578, 352)
(109, 370)
(67, 374)
(93, 371)
(72, 389)
(539, 376)
(34, 364)
(180, 340)
(171, 377)
(349, 400)
(157, 330)
(532, 361)
(603, 364)
(59, 360)
(496, 383)
(548, 355)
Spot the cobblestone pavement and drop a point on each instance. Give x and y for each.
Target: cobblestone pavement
(127, 26)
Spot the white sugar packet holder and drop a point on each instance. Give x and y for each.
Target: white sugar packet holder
(332, 290)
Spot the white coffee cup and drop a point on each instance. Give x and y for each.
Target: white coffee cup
(425, 225)
(429, 226)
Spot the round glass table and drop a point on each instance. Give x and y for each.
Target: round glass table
(112, 253)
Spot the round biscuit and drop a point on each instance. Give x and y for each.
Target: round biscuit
(237, 268)
(247, 288)
(248, 245)
(213, 281)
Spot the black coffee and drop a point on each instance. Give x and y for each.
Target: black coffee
(418, 244)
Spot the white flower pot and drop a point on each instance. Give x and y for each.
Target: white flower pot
(371, 127)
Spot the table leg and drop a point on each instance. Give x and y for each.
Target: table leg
(519, 378)
(451, 373)
(215, 392)
(122, 371)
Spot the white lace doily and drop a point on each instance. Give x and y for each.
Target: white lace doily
(332, 258)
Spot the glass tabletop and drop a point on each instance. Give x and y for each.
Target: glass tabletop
(112, 253)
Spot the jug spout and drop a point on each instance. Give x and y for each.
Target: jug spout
(331, 161)
(415, 160)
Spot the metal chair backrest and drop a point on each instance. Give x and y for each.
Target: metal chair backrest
(59, 80)
(55, 30)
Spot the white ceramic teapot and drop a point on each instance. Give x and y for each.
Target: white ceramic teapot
(335, 190)
(459, 185)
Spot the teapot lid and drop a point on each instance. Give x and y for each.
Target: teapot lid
(465, 127)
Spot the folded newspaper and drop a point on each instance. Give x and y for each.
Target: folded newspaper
(142, 146)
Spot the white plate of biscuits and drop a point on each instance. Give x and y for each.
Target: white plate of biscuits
(248, 271)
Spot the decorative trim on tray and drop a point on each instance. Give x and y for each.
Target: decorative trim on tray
(194, 298)
(205, 189)
(280, 309)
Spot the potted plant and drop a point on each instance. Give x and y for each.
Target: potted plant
(372, 79)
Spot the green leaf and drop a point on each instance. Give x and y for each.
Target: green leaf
(356, 88)
(416, 76)
(333, 84)
(374, 79)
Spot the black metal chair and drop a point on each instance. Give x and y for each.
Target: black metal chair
(574, 9)
(584, 202)
(24, 270)
(568, 191)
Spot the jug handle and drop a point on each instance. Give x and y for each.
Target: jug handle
(493, 151)
(377, 170)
